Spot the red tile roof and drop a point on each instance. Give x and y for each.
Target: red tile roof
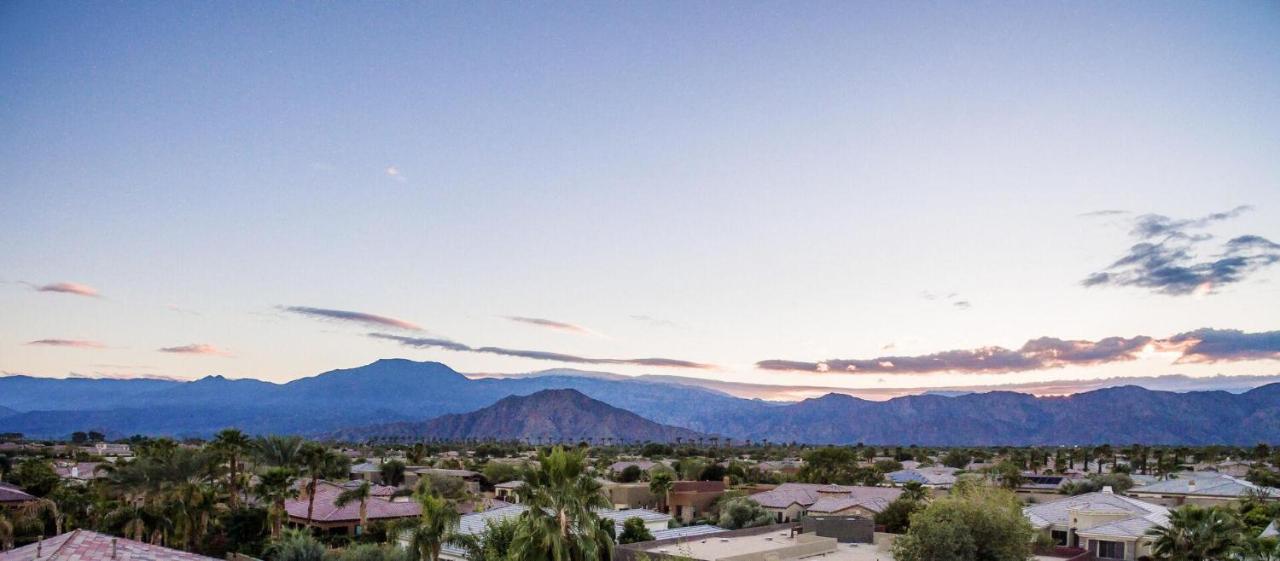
(697, 486)
(83, 545)
(327, 511)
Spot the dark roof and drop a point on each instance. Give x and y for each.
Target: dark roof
(14, 494)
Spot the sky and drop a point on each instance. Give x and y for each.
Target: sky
(846, 194)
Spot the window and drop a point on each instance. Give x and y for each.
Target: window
(1108, 550)
(1059, 537)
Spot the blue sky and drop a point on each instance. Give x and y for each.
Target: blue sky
(714, 183)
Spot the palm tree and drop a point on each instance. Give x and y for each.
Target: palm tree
(318, 462)
(41, 510)
(914, 491)
(361, 493)
(274, 488)
(1196, 534)
(660, 484)
(6, 533)
(131, 519)
(392, 473)
(281, 451)
(296, 545)
(232, 444)
(560, 523)
(437, 526)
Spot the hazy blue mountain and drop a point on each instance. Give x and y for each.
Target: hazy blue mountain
(383, 391)
(547, 415)
(396, 390)
(5, 412)
(29, 393)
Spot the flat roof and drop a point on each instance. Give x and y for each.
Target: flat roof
(710, 548)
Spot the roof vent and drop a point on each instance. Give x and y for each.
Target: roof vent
(1107, 490)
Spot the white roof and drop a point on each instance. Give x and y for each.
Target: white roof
(1208, 484)
(686, 532)
(620, 516)
(1272, 530)
(1143, 515)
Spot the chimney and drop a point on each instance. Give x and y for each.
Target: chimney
(1191, 485)
(1107, 490)
(113, 548)
(75, 472)
(39, 546)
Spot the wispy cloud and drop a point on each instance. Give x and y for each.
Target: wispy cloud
(551, 324)
(357, 317)
(72, 343)
(1167, 258)
(68, 288)
(450, 345)
(658, 322)
(196, 349)
(395, 174)
(1203, 345)
(1104, 212)
(951, 297)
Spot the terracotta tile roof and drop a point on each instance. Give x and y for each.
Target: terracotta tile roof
(326, 511)
(374, 489)
(83, 545)
(697, 486)
(14, 494)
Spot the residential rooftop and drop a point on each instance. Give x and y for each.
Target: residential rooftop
(84, 545)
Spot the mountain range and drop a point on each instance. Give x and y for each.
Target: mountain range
(547, 415)
(403, 391)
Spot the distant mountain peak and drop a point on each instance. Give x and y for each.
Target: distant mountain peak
(561, 414)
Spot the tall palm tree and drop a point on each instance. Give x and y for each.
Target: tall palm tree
(275, 486)
(232, 445)
(437, 526)
(318, 462)
(560, 523)
(361, 494)
(1197, 534)
(660, 484)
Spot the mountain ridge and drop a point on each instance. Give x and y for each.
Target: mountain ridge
(399, 390)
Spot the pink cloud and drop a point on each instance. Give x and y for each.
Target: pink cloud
(73, 343)
(551, 324)
(196, 349)
(70, 288)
